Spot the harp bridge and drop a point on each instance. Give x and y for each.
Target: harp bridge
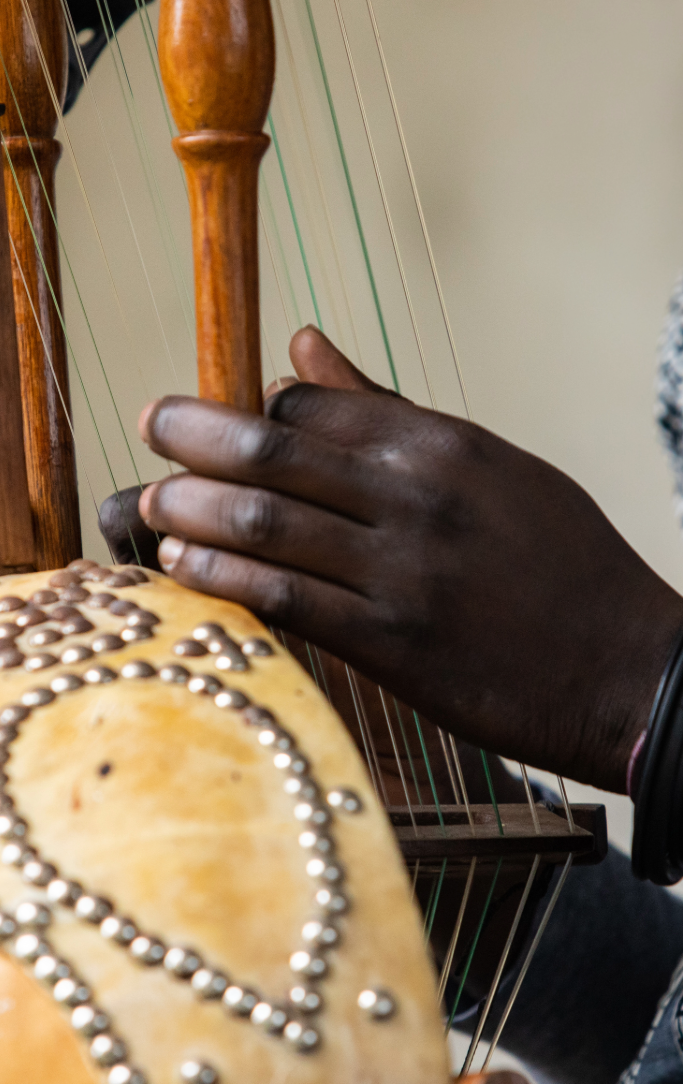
(429, 835)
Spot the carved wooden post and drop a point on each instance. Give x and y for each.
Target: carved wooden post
(218, 62)
(17, 548)
(50, 458)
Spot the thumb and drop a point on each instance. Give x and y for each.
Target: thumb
(318, 361)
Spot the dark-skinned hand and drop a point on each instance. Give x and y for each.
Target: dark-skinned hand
(471, 579)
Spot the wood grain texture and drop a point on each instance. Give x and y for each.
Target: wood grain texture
(17, 549)
(50, 458)
(217, 62)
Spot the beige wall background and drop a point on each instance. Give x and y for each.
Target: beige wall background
(547, 143)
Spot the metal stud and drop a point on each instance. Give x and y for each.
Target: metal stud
(305, 963)
(121, 930)
(204, 685)
(10, 603)
(316, 841)
(119, 579)
(74, 594)
(182, 962)
(347, 801)
(30, 616)
(66, 577)
(209, 984)
(29, 946)
(102, 600)
(95, 574)
(64, 613)
(269, 1017)
(121, 607)
(8, 633)
(240, 1000)
(81, 565)
(12, 826)
(10, 658)
(13, 715)
(134, 636)
(89, 1020)
(37, 698)
(93, 908)
(334, 903)
(208, 630)
(65, 892)
(71, 992)
(107, 1050)
(147, 950)
(51, 970)
(189, 649)
(173, 674)
(77, 653)
(74, 626)
(32, 915)
(255, 716)
(303, 788)
(320, 934)
(379, 1004)
(291, 762)
(276, 737)
(330, 872)
(142, 619)
(44, 598)
(8, 927)
(137, 669)
(231, 698)
(124, 1074)
(66, 683)
(301, 1036)
(39, 873)
(228, 656)
(257, 647)
(198, 1072)
(136, 573)
(107, 642)
(311, 814)
(44, 637)
(40, 662)
(305, 1000)
(16, 854)
(99, 675)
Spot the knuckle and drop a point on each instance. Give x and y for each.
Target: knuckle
(282, 601)
(251, 517)
(266, 445)
(293, 404)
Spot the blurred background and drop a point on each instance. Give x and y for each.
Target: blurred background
(546, 144)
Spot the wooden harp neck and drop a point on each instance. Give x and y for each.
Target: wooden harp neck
(218, 64)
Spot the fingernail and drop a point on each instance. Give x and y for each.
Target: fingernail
(170, 552)
(144, 418)
(145, 502)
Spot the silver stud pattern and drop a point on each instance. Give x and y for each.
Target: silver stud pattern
(378, 1004)
(319, 933)
(198, 1072)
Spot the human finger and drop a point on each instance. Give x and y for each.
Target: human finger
(261, 523)
(317, 360)
(278, 385)
(216, 441)
(284, 597)
(128, 537)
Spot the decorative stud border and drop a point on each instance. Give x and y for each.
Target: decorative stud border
(320, 934)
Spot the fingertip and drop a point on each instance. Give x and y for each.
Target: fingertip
(278, 385)
(143, 420)
(170, 552)
(145, 502)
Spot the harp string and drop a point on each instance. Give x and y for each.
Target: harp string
(87, 83)
(473, 946)
(455, 936)
(63, 325)
(48, 355)
(143, 147)
(495, 982)
(527, 961)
